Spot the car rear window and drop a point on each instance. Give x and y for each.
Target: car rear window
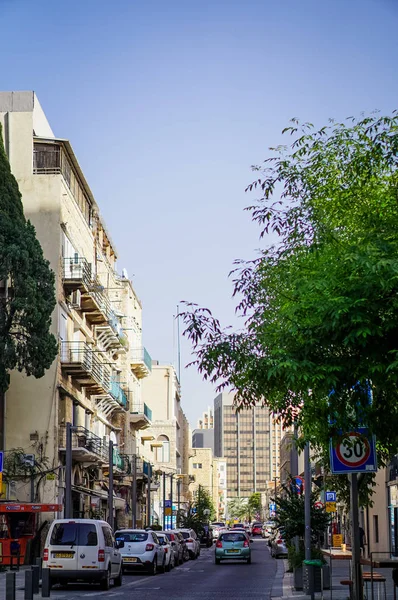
(170, 536)
(233, 537)
(185, 534)
(74, 534)
(134, 536)
(257, 524)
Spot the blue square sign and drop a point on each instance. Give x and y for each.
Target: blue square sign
(330, 496)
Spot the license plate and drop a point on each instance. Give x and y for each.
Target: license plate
(64, 554)
(232, 551)
(130, 560)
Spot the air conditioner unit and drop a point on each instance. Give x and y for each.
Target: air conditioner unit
(76, 299)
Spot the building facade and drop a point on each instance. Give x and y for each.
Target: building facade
(243, 439)
(207, 420)
(203, 438)
(95, 382)
(168, 437)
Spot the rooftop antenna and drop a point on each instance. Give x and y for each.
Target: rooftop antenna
(178, 343)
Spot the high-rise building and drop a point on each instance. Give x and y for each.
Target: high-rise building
(203, 438)
(243, 439)
(207, 420)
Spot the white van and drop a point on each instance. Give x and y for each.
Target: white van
(82, 550)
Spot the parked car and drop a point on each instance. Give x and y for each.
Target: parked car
(257, 528)
(233, 545)
(141, 550)
(183, 542)
(278, 545)
(206, 536)
(238, 526)
(169, 552)
(82, 550)
(216, 527)
(192, 542)
(266, 531)
(177, 546)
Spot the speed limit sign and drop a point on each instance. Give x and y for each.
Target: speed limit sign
(355, 452)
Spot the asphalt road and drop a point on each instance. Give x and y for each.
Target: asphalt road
(196, 579)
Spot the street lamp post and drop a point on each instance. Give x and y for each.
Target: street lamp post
(110, 493)
(134, 494)
(164, 501)
(171, 497)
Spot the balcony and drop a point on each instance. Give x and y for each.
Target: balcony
(121, 465)
(85, 367)
(118, 393)
(86, 446)
(140, 415)
(76, 273)
(141, 362)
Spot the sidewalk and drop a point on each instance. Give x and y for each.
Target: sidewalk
(283, 584)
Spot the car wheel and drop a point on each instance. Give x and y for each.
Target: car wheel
(106, 583)
(217, 561)
(163, 567)
(154, 567)
(117, 581)
(249, 560)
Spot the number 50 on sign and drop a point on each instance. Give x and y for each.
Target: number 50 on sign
(355, 452)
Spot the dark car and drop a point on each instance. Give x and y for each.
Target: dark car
(206, 537)
(257, 528)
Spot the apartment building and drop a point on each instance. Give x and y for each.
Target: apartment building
(169, 438)
(209, 473)
(95, 383)
(243, 439)
(207, 420)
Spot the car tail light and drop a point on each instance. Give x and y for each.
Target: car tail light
(245, 544)
(165, 550)
(279, 541)
(101, 555)
(45, 554)
(219, 544)
(190, 541)
(149, 547)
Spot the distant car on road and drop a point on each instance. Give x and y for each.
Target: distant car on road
(168, 550)
(141, 549)
(233, 545)
(192, 542)
(256, 528)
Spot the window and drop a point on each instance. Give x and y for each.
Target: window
(108, 537)
(79, 534)
(163, 453)
(131, 537)
(376, 528)
(46, 158)
(197, 465)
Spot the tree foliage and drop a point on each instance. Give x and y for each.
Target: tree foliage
(291, 518)
(197, 514)
(245, 509)
(320, 306)
(27, 296)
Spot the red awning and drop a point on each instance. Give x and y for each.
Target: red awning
(6, 507)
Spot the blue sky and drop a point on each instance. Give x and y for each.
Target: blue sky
(168, 104)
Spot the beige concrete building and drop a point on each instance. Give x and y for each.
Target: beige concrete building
(207, 420)
(210, 474)
(168, 437)
(95, 383)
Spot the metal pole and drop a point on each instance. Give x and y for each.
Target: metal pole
(178, 501)
(171, 498)
(148, 498)
(68, 473)
(110, 494)
(307, 501)
(356, 550)
(164, 501)
(134, 494)
(32, 486)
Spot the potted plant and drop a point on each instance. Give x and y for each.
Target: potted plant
(290, 518)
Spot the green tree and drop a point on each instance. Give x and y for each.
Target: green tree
(255, 506)
(320, 303)
(27, 296)
(197, 514)
(238, 509)
(290, 514)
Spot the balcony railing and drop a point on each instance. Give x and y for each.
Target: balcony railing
(76, 272)
(85, 444)
(79, 361)
(141, 409)
(118, 393)
(141, 361)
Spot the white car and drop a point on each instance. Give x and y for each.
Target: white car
(168, 549)
(82, 550)
(192, 542)
(141, 549)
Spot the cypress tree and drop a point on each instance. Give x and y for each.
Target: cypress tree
(27, 294)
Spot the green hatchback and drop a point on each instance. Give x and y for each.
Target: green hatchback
(233, 546)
